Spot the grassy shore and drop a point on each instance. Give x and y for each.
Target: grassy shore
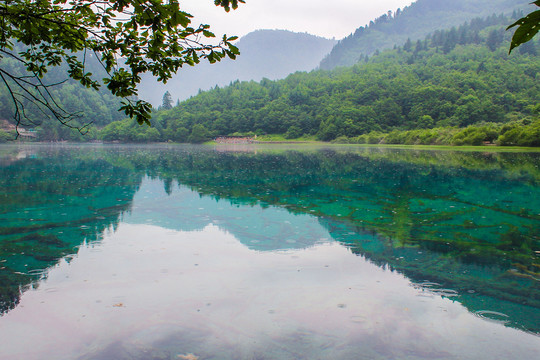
(281, 140)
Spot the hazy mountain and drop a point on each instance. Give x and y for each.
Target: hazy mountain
(271, 54)
(414, 22)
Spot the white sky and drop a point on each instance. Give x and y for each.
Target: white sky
(335, 18)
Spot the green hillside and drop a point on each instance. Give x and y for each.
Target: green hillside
(98, 108)
(427, 91)
(415, 22)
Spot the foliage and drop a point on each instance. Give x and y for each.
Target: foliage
(129, 131)
(411, 23)
(128, 37)
(88, 105)
(528, 27)
(4, 136)
(528, 135)
(167, 101)
(199, 134)
(522, 133)
(450, 80)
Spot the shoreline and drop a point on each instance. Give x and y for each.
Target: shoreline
(304, 143)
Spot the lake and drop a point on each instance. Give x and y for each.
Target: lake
(268, 252)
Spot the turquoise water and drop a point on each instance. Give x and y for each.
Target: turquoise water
(252, 252)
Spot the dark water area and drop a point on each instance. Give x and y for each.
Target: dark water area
(254, 252)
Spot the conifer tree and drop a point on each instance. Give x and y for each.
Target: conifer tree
(167, 101)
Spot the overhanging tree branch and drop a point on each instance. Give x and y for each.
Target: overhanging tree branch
(128, 37)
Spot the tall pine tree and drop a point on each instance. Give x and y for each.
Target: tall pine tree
(167, 101)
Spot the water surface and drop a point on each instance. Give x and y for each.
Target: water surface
(159, 252)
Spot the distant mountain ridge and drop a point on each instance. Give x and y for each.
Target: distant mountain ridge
(271, 54)
(413, 22)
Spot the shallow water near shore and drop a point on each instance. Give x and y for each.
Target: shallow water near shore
(171, 252)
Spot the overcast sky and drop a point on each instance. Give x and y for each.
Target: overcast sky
(335, 18)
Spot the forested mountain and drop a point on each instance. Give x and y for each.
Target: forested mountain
(452, 78)
(271, 54)
(415, 22)
(91, 106)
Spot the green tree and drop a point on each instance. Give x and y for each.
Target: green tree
(425, 122)
(469, 86)
(153, 36)
(495, 37)
(4, 136)
(167, 101)
(293, 132)
(199, 134)
(181, 134)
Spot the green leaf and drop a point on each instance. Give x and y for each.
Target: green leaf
(234, 49)
(208, 34)
(231, 54)
(528, 27)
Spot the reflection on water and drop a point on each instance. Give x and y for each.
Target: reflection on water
(261, 229)
(49, 206)
(340, 253)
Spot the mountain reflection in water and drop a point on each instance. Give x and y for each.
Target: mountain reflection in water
(461, 227)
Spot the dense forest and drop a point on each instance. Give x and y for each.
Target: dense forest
(457, 86)
(262, 56)
(89, 106)
(414, 22)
